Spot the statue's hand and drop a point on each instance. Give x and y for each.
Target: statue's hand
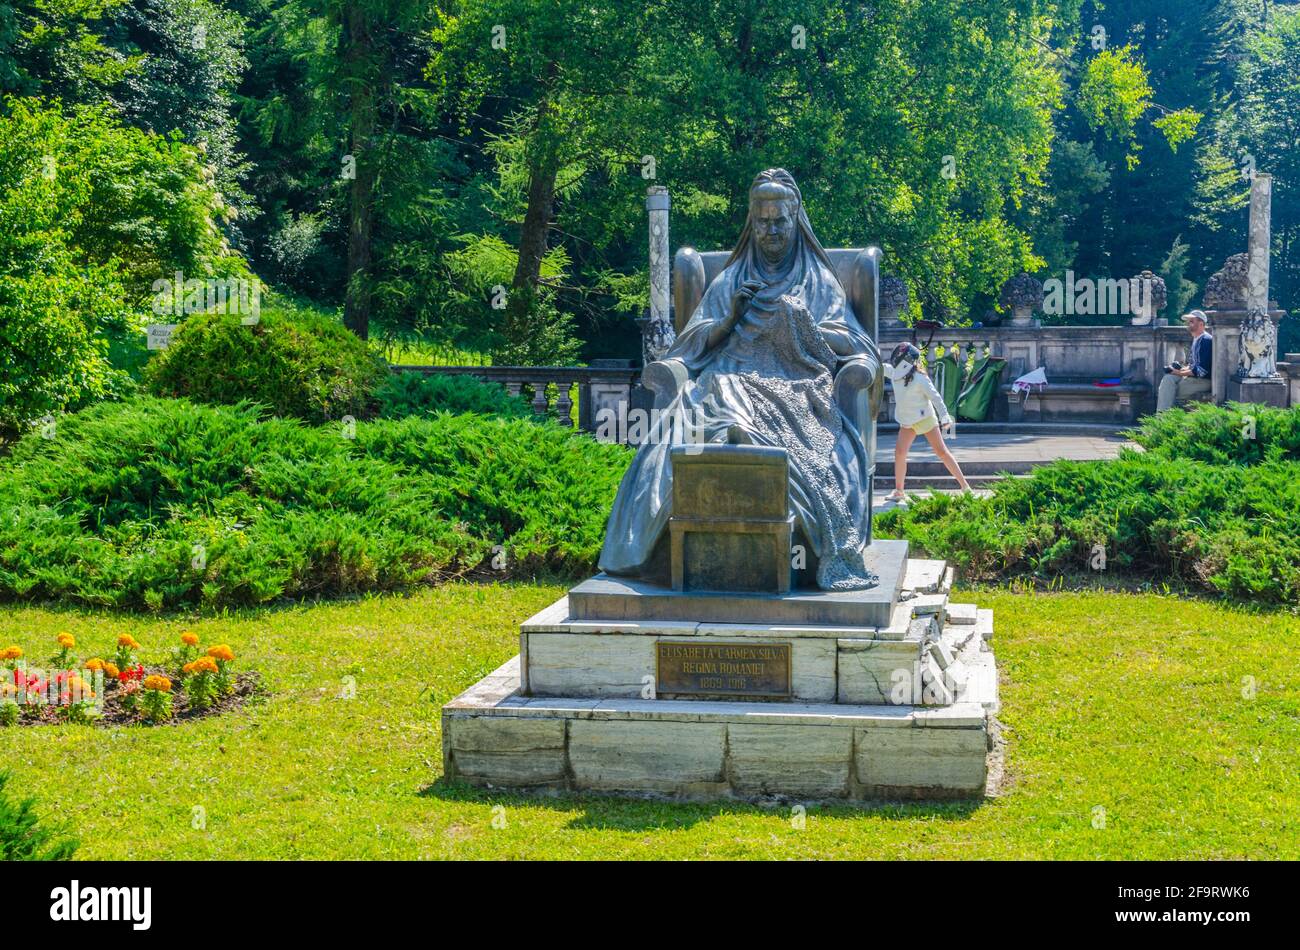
(741, 298)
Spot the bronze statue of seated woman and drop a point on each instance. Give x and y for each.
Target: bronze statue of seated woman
(773, 355)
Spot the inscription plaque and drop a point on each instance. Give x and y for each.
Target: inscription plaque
(722, 669)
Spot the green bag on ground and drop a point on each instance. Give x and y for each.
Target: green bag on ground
(976, 397)
(946, 374)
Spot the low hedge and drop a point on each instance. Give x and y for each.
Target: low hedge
(1236, 434)
(1230, 529)
(156, 503)
(23, 836)
(414, 394)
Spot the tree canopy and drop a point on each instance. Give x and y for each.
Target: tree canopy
(472, 172)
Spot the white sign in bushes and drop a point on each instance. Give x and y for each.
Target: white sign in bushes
(160, 335)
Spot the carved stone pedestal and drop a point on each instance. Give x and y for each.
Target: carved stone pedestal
(1267, 392)
(613, 697)
(1229, 382)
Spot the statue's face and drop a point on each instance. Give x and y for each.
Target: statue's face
(774, 227)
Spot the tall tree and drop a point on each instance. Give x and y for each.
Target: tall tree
(550, 86)
(1169, 64)
(190, 57)
(56, 48)
(360, 64)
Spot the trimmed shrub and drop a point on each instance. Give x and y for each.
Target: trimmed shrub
(414, 394)
(1224, 528)
(1238, 434)
(155, 503)
(295, 362)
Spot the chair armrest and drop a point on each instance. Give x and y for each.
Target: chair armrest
(856, 373)
(665, 378)
(859, 388)
(859, 391)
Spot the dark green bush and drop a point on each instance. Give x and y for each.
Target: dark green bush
(1239, 434)
(413, 394)
(22, 835)
(155, 503)
(293, 361)
(1225, 528)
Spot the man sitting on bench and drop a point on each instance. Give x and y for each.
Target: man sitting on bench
(1184, 383)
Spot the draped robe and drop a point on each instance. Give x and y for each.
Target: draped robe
(773, 378)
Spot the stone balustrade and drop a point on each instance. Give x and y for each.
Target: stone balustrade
(554, 390)
(1074, 357)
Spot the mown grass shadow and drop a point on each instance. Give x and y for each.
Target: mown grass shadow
(612, 812)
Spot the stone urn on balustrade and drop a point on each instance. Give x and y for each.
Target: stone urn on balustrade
(1022, 295)
(1147, 296)
(893, 301)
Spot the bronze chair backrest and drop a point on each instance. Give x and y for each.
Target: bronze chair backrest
(857, 268)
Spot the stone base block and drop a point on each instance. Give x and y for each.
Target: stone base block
(1267, 392)
(607, 598)
(494, 736)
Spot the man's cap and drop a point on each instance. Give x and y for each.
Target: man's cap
(1196, 315)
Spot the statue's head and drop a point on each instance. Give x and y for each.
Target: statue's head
(774, 202)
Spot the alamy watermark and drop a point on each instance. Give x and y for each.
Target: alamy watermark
(1130, 296)
(633, 426)
(225, 295)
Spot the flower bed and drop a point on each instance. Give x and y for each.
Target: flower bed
(196, 682)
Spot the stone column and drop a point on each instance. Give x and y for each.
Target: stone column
(658, 334)
(1256, 378)
(1261, 200)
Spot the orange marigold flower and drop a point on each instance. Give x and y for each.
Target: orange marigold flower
(95, 663)
(11, 653)
(160, 683)
(204, 664)
(126, 640)
(190, 639)
(110, 671)
(221, 652)
(67, 641)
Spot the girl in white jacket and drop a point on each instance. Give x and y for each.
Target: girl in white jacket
(918, 410)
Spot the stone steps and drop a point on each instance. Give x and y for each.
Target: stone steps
(932, 483)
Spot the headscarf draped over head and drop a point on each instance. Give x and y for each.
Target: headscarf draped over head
(777, 184)
(806, 273)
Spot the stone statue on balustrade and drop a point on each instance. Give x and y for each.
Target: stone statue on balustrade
(774, 356)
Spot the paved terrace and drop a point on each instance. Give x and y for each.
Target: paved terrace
(985, 450)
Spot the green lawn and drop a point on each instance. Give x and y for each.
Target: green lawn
(1131, 703)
